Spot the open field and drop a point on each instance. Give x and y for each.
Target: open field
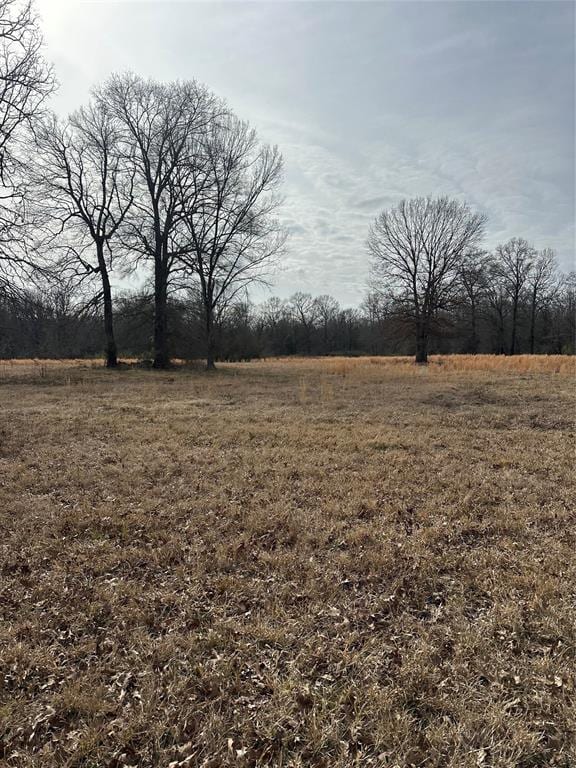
(289, 563)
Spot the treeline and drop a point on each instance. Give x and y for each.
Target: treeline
(57, 323)
(163, 181)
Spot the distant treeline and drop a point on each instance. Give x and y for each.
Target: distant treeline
(55, 323)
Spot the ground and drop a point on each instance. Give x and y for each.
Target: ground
(288, 563)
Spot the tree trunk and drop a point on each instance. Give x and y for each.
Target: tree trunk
(514, 323)
(210, 341)
(532, 322)
(474, 345)
(308, 338)
(421, 342)
(161, 356)
(501, 334)
(111, 353)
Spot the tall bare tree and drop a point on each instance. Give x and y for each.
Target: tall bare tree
(25, 83)
(327, 309)
(417, 249)
(473, 278)
(161, 125)
(84, 191)
(305, 311)
(511, 265)
(375, 309)
(229, 200)
(542, 282)
(499, 305)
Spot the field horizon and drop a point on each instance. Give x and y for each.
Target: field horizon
(544, 363)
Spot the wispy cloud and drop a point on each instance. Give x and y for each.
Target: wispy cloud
(369, 102)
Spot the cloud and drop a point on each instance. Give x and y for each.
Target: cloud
(378, 102)
(373, 203)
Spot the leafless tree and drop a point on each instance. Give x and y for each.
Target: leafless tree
(327, 309)
(541, 284)
(511, 267)
(161, 125)
(229, 200)
(84, 194)
(417, 249)
(499, 305)
(25, 83)
(348, 321)
(305, 310)
(273, 311)
(473, 279)
(376, 309)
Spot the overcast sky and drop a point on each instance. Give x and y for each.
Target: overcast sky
(369, 103)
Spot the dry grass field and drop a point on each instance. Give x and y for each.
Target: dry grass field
(326, 563)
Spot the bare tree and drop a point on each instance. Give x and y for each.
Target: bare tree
(348, 321)
(229, 201)
(85, 194)
(160, 126)
(417, 249)
(542, 281)
(473, 279)
(305, 311)
(511, 265)
(272, 312)
(327, 309)
(376, 310)
(499, 305)
(25, 83)
(273, 324)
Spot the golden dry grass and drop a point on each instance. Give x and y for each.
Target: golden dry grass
(289, 563)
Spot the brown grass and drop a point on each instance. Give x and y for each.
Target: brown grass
(289, 563)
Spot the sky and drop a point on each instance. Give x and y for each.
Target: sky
(369, 103)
